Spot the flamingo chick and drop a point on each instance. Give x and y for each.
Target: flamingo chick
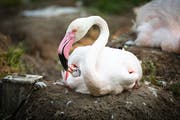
(96, 69)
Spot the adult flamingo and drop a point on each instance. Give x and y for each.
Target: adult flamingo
(158, 25)
(99, 70)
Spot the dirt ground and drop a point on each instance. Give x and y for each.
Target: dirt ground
(154, 101)
(57, 102)
(148, 102)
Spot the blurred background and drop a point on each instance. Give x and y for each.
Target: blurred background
(30, 30)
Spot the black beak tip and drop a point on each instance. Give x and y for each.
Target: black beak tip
(63, 61)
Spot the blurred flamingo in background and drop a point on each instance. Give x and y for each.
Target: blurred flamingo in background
(158, 25)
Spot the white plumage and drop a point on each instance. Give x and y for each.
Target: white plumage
(103, 70)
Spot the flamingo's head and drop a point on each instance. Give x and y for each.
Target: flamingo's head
(76, 30)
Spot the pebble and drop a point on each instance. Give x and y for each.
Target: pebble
(68, 102)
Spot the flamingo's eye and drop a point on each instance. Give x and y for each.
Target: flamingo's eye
(74, 30)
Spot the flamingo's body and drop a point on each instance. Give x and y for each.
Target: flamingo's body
(103, 70)
(158, 25)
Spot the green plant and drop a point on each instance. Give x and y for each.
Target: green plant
(149, 70)
(10, 3)
(175, 88)
(113, 6)
(13, 56)
(10, 60)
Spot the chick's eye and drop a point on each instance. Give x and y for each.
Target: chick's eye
(76, 73)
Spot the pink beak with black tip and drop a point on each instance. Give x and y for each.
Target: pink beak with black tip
(64, 48)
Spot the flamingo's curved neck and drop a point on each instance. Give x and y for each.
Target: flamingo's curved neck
(102, 40)
(91, 73)
(99, 44)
